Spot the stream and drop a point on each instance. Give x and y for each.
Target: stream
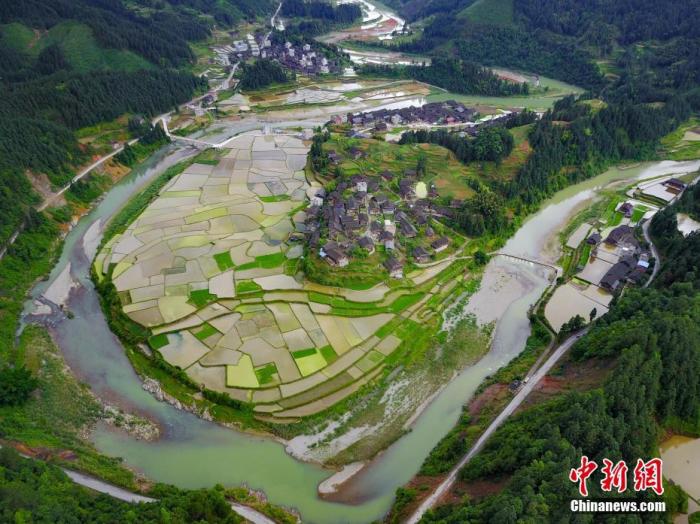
(194, 453)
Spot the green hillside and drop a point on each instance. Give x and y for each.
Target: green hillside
(78, 44)
(492, 12)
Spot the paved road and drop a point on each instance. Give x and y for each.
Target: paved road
(82, 174)
(65, 188)
(654, 252)
(446, 484)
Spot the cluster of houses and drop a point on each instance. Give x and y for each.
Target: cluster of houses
(449, 112)
(633, 261)
(360, 213)
(303, 58)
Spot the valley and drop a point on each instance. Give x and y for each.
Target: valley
(301, 285)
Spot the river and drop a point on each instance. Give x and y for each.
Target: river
(681, 456)
(194, 453)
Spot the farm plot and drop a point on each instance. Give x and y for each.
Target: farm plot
(203, 267)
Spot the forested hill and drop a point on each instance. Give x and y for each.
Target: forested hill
(580, 41)
(69, 64)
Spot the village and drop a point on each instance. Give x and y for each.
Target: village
(608, 252)
(394, 212)
(304, 58)
(448, 113)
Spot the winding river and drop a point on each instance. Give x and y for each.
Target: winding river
(195, 453)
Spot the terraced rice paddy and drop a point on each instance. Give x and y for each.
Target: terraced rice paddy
(205, 268)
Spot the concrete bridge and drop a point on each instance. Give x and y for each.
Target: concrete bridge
(199, 144)
(559, 271)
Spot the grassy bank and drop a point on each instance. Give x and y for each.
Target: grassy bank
(51, 423)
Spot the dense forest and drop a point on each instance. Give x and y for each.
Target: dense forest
(651, 339)
(455, 75)
(45, 101)
(340, 14)
(490, 144)
(39, 120)
(262, 73)
(161, 37)
(309, 19)
(564, 39)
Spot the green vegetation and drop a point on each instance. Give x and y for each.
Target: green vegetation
(223, 260)
(206, 331)
(328, 354)
(247, 286)
(309, 361)
(275, 198)
(43, 493)
(490, 12)
(30, 257)
(77, 44)
(264, 261)
(684, 142)
(458, 76)
(304, 353)
(54, 417)
(201, 297)
(266, 374)
(158, 341)
(261, 73)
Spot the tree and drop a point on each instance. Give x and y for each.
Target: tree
(16, 384)
(481, 258)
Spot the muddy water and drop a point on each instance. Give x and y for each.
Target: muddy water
(681, 456)
(195, 453)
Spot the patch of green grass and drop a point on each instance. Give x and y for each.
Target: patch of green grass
(304, 353)
(223, 260)
(265, 262)
(266, 374)
(247, 286)
(320, 298)
(405, 301)
(608, 215)
(309, 361)
(201, 297)
(53, 418)
(328, 353)
(275, 198)
(389, 327)
(158, 341)
(585, 254)
(206, 331)
(637, 214)
(291, 266)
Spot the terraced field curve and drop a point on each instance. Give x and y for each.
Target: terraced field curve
(212, 269)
